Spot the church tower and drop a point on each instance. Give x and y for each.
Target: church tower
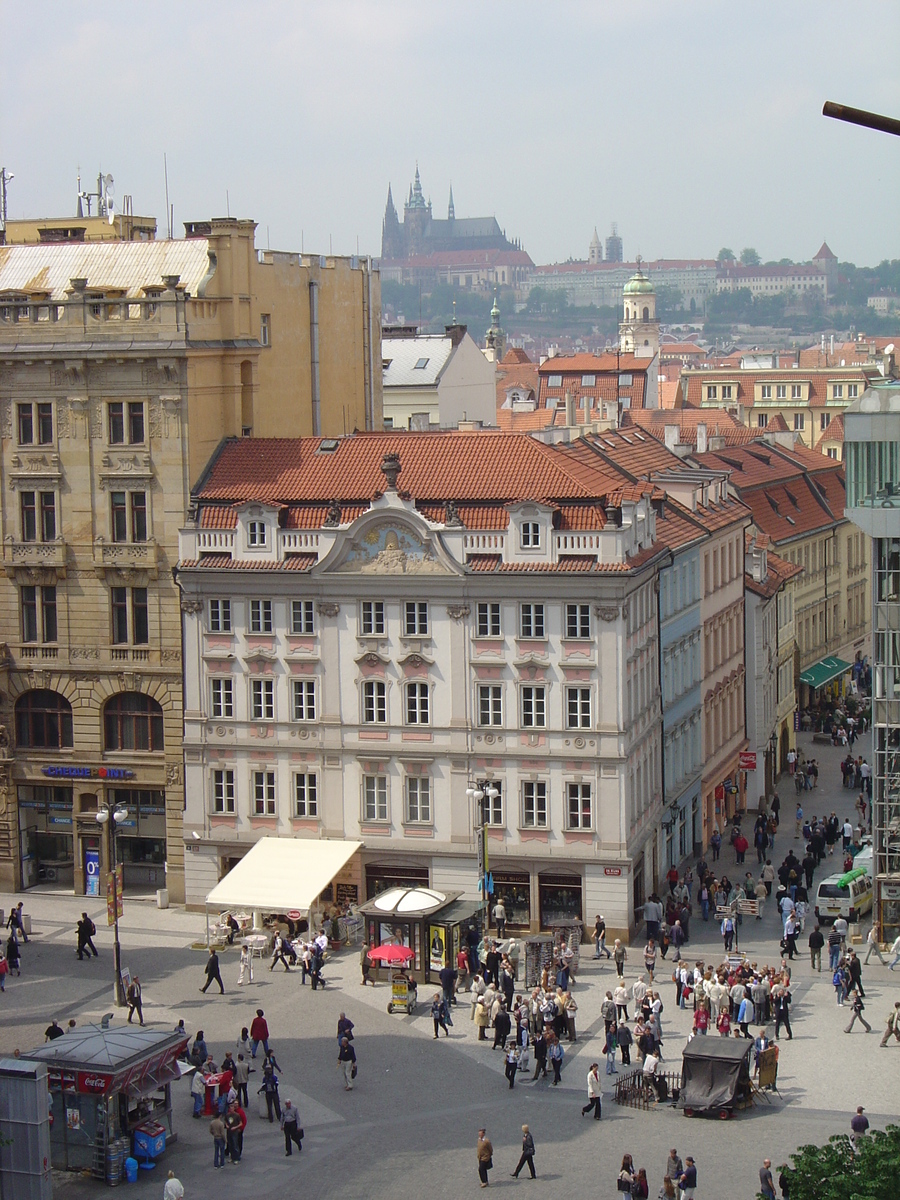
(595, 253)
(494, 338)
(391, 233)
(416, 218)
(639, 328)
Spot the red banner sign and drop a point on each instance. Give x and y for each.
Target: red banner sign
(720, 792)
(747, 760)
(612, 870)
(89, 1081)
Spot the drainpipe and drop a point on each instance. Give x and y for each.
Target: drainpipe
(314, 357)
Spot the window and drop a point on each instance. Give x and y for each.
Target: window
(372, 617)
(135, 422)
(780, 391)
(417, 703)
(852, 391)
(306, 795)
(531, 621)
(578, 708)
(798, 420)
(418, 800)
(796, 391)
(264, 793)
(375, 806)
(133, 721)
(38, 606)
(726, 391)
(415, 618)
(262, 699)
(578, 620)
(261, 616)
(35, 424)
(256, 533)
(534, 805)
(492, 806)
(832, 452)
(421, 364)
(302, 616)
(530, 535)
(554, 381)
(374, 702)
(824, 421)
(578, 808)
(712, 392)
(765, 391)
(534, 707)
(837, 391)
(222, 697)
(589, 381)
(490, 704)
(122, 418)
(220, 616)
(487, 619)
(304, 699)
(123, 505)
(38, 511)
(119, 612)
(43, 720)
(265, 329)
(762, 420)
(223, 792)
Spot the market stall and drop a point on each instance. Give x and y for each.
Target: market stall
(715, 1076)
(110, 1094)
(431, 924)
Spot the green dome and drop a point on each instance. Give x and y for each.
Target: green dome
(638, 284)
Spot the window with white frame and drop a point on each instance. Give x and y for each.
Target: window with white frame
(531, 620)
(265, 329)
(304, 699)
(372, 617)
(223, 792)
(375, 803)
(852, 391)
(374, 693)
(762, 420)
(554, 381)
(264, 793)
(824, 421)
(579, 808)
(711, 391)
(780, 391)
(796, 391)
(487, 619)
(578, 708)
(302, 616)
(261, 616)
(418, 799)
(798, 420)
(492, 806)
(534, 804)
(220, 616)
(262, 699)
(837, 391)
(417, 704)
(221, 697)
(534, 707)
(589, 381)
(766, 391)
(415, 618)
(306, 795)
(726, 391)
(490, 704)
(530, 535)
(578, 620)
(256, 533)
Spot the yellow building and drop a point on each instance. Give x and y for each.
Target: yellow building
(122, 366)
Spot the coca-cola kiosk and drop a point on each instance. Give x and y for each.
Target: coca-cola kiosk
(110, 1092)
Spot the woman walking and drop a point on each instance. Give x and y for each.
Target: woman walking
(246, 971)
(527, 1154)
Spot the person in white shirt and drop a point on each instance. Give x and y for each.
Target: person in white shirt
(173, 1189)
(872, 943)
(246, 965)
(638, 990)
(499, 914)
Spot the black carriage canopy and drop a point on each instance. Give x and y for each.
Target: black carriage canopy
(715, 1073)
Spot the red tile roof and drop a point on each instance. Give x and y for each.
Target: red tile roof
(695, 382)
(718, 422)
(777, 425)
(834, 432)
(515, 354)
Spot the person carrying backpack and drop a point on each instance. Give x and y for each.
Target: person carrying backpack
(86, 931)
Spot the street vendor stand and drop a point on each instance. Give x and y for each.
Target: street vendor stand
(110, 1091)
(403, 989)
(431, 924)
(715, 1076)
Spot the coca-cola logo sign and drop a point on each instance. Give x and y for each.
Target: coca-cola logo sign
(88, 1082)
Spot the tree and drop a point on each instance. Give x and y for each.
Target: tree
(749, 257)
(725, 255)
(834, 1172)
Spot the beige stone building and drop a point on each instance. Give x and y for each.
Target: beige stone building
(122, 365)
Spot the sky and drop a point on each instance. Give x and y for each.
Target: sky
(694, 124)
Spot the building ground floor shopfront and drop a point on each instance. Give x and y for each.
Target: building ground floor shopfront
(724, 794)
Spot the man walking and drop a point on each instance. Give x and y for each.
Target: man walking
(858, 1126)
(594, 1092)
(893, 1025)
(290, 1125)
(217, 1129)
(347, 1063)
(766, 1181)
(241, 1078)
(15, 924)
(687, 1181)
(527, 1155)
(512, 1065)
(816, 942)
(499, 915)
(259, 1032)
(873, 947)
(86, 931)
(213, 973)
(278, 953)
(134, 1000)
(484, 1154)
(856, 1007)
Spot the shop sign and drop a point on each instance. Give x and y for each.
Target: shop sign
(88, 772)
(747, 760)
(612, 870)
(60, 820)
(720, 792)
(88, 1081)
(796, 720)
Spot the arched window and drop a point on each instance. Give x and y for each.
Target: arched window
(646, 314)
(43, 720)
(132, 721)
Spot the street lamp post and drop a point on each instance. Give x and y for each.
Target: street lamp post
(111, 816)
(478, 793)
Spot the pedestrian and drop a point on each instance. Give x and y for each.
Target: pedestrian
(892, 1028)
(674, 1165)
(650, 958)
(895, 951)
(620, 954)
(527, 1155)
(235, 1124)
(625, 1039)
(512, 1064)
(816, 942)
(4, 970)
(499, 915)
(854, 969)
(873, 947)
(259, 1032)
(600, 937)
(437, 1015)
(241, 1078)
(727, 928)
(133, 996)
(766, 1181)
(365, 965)
(213, 973)
(246, 966)
(857, 1007)
(347, 1063)
(217, 1129)
(555, 1054)
(290, 1127)
(834, 948)
(687, 1181)
(594, 1092)
(858, 1126)
(668, 1190)
(540, 1054)
(174, 1189)
(86, 931)
(612, 1044)
(447, 976)
(781, 1002)
(269, 1089)
(278, 953)
(484, 1154)
(715, 843)
(16, 925)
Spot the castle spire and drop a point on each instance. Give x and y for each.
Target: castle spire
(451, 211)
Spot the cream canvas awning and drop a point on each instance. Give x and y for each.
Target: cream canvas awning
(282, 873)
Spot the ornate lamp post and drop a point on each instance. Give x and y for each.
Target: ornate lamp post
(112, 815)
(478, 793)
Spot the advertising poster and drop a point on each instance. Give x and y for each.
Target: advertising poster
(393, 935)
(92, 872)
(436, 947)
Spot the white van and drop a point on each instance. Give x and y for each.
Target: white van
(865, 859)
(849, 902)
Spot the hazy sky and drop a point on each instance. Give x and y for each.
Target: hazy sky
(693, 124)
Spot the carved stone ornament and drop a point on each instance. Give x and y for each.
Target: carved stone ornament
(452, 518)
(190, 604)
(333, 516)
(173, 774)
(372, 660)
(607, 614)
(457, 612)
(327, 608)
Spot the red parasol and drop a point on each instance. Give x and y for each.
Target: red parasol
(391, 954)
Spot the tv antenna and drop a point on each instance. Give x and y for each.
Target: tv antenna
(5, 178)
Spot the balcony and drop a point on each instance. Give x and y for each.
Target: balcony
(125, 557)
(50, 556)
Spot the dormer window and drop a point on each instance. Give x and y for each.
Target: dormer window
(530, 535)
(256, 533)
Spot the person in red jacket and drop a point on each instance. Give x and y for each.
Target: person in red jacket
(259, 1032)
(741, 846)
(235, 1124)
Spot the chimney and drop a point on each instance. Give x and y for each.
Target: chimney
(671, 434)
(570, 410)
(701, 438)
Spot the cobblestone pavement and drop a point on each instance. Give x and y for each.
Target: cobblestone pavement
(409, 1127)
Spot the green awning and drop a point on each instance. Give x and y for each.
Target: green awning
(823, 672)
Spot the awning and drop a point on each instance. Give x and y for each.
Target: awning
(282, 873)
(823, 672)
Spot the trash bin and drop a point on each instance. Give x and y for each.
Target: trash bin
(131, 1170)
(26, 922)
(162, 898)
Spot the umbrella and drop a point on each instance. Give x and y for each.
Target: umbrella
(391, 954)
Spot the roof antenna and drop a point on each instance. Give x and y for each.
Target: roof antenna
(168, 209)
(227, 205)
